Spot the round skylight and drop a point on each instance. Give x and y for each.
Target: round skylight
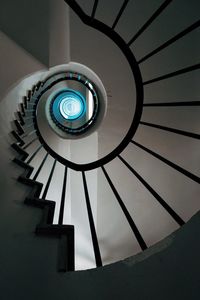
(75, 108)
(71, 106)
(74, 102)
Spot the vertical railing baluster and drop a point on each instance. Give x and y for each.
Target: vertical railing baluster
(40, 167)
(30, 143)
(66, 242)
(120, 13)
(92, 225)
(94, 8)
(168, 162)
(17, 137)
(171, 41)
(34, 154)
(173, 74)
(49, 180)
(62, 203)
(174, 130)
(126, 213)
(150, 20)
(172, 213)
(22, 109)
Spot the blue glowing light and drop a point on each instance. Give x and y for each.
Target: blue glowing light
(71, 107)
(68, 105)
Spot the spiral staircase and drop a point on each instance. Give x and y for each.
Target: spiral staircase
(135, 180)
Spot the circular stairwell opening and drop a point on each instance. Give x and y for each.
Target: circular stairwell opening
(74, 110)
(75, 103)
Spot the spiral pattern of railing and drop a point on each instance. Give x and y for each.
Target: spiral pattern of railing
(31, 146)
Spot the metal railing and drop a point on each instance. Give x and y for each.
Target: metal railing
(65, 233)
